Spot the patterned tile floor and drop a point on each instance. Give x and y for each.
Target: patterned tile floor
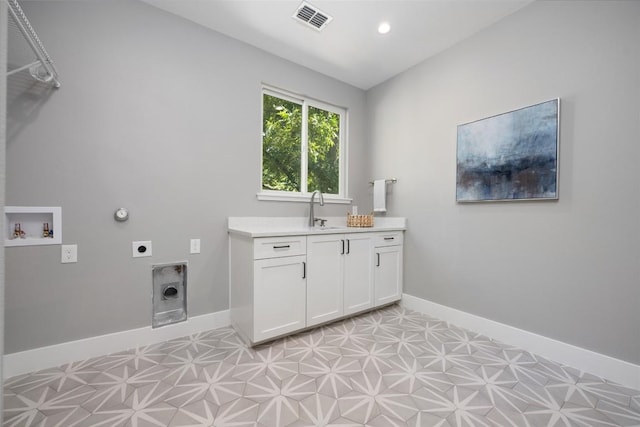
(390, 367)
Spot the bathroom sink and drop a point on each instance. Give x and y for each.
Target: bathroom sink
(326, 228)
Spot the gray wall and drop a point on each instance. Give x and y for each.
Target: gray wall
(163, 117)
(3, 117)
(158, 115)
(569, 269)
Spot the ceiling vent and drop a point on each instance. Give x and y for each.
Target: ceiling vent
(312, 16)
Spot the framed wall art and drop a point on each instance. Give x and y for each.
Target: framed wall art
(511, 156)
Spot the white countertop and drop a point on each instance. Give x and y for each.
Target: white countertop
(291, 226)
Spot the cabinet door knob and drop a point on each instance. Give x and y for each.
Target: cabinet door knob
(342, 253)
(389, 238)
(348, 246)
(304, 270)
(378, 261)
(281, 247)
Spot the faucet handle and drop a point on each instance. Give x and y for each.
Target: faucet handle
(322, 221)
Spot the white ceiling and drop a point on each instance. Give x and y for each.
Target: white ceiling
(349, 48)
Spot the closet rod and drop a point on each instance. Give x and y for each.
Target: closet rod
(44, 60)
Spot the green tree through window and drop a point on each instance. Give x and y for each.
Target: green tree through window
(281, 145)
(324, 151)
(296, 162)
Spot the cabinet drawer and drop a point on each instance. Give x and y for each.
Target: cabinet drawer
(274, 247)
(391, 238)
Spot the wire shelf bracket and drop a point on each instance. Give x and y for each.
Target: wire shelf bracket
(42, 69)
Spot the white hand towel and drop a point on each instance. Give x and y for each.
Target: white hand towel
(379, 195)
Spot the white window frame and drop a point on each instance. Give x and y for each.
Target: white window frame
(303, 195)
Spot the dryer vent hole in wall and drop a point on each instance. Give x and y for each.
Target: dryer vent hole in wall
(169, 294)
(170, 291)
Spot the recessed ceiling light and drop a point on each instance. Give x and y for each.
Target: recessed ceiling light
(384, 28)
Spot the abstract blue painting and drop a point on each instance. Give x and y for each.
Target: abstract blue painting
(511, 156)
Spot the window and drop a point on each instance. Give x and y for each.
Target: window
(302, 146)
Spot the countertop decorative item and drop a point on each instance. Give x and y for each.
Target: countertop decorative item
(359, 220)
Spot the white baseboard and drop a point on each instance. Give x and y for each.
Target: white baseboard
(59, 354)
(619, 371)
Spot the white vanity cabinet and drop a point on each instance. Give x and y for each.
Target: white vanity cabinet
(285, 281)
(358, 272)
(325, 256)
(340, 275)
(388, 267)
(280, 295)
(269, 299)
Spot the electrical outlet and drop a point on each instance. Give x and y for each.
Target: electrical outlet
(195, 246)
(141, 248)
(69, 254)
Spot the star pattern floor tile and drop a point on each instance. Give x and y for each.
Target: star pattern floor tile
(390, 367)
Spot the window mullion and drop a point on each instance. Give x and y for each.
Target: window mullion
(304, 150)
(342, 177)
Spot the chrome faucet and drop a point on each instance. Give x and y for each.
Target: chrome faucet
(312, 219)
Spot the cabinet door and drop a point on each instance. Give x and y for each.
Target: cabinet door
(388, 274)
(358, 273)
(279, 296)
(324, 278)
